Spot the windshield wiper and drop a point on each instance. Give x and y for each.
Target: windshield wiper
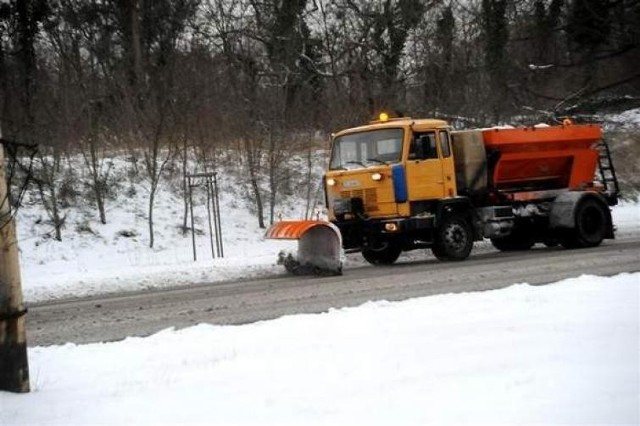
(375, 160)
(356, 162)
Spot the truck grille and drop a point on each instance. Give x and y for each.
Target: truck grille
(369, 197)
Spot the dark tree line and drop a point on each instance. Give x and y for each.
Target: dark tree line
(169, 80)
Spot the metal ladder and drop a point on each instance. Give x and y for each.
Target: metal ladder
(608, 172)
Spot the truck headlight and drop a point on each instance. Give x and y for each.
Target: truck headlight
(376, 176)
(331, 182)
(391, 227)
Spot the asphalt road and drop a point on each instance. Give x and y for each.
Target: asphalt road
(115, 317)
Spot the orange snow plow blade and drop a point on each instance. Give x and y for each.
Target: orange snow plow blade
(319, 245)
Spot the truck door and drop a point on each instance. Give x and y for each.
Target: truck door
(448, 167)
(424, 168)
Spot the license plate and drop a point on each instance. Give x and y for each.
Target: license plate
(352, 183)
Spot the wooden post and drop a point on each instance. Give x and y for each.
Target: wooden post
(14, 367)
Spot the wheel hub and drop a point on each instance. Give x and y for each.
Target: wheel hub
(455, 237)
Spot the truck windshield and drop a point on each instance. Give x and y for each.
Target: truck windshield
(365, 149)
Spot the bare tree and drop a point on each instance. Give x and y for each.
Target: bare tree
(256, 79)
(100, 167)
(47, 178)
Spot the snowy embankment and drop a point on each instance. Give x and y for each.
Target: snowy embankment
(93, 258)
(562, 353)
(105, 262)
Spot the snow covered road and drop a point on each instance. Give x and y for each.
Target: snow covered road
(105, 318)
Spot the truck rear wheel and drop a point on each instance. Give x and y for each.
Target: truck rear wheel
(591, 221)
(385, 256)
(454, 239)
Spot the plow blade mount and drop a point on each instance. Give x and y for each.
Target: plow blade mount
(319, 245)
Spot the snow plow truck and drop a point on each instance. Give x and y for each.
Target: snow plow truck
(399, 184)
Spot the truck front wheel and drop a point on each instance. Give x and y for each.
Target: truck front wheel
(384, 256)
(454, 239)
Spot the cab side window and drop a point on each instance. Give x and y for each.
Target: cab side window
(423, 146)
(445, 146)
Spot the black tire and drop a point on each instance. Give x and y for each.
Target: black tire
(518, 240)
(454, 239)
(385, 256)
(591, 222)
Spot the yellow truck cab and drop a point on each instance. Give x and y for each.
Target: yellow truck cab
(386, 184)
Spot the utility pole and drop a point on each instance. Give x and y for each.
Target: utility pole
(14, 367)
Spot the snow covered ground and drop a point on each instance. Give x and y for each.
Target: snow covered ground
(629, 119)
(562, 353)
(93, 258)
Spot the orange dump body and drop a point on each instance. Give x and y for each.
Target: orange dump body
(550, 157)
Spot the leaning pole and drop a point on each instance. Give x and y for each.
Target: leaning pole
(14, 367)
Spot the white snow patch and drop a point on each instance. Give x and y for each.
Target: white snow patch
(626, 119)
(626, 216)
(561, 353)
(535, 67)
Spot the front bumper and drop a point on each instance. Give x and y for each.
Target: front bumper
(358, 234)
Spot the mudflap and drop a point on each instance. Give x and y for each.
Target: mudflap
(319, 247)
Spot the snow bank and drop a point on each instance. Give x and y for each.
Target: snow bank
(626, 216)
(562, 353)
(627, 119)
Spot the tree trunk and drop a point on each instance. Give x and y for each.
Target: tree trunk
(49, 195)
(256, 193)
(98, 182)
(135, 43)
(57, 221)
(152, 196)
(154, 173)
(308, 206)
(14, 367)
(185, 190)
(273, 186)
(101, 211)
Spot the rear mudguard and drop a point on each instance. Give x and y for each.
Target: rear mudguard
(319, 246)
(564, 207)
